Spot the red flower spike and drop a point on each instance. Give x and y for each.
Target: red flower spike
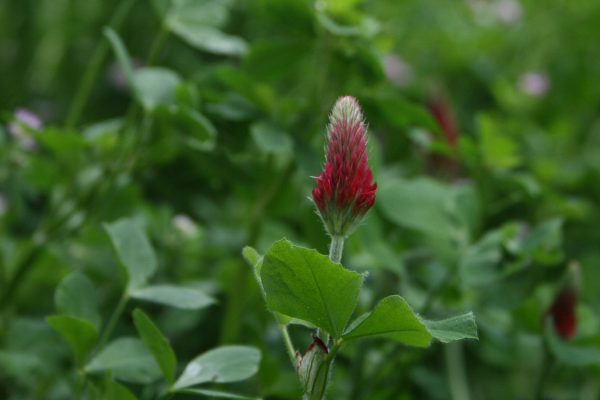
(441, 110)
(344, 191)
(562, 312)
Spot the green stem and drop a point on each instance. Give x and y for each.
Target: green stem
(336, 248)
(81, 382)
(237, 293)
(547, 363)
(85, 87)
(289, 346)
(22, 270)
(457, 377)
(113, 320)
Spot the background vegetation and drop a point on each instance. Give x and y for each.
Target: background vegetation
(204, 120)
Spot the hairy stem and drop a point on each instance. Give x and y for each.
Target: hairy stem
(336, 248)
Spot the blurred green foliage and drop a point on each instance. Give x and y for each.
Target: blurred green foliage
(202, 121)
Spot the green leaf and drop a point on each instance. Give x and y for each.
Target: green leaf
(454, 328)
(567, 353)
(479, 262)
(271, 140)
(392, 318)
(76, 296)
(116, 391)
(121, 53)
(215, 394)
(154, 86)
(422, 204)
(80, 334)
(544, 242)
(134, 250)
(304, 284)
(498, 150)
(174, 296)
(157, 344)
(196, 130)
(221, 365)
(128, 359)
(198, 23)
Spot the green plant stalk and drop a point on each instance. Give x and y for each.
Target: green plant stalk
(110, 326)
(547, 364)
(455, 366)
(336, 248)
(85, 87)
(81, 383)
(289, 346)
(22, 271)
(237, 293)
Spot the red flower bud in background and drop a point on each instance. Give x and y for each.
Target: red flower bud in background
(563, 308)
(344, 191)
(562, 312)
(442, 112)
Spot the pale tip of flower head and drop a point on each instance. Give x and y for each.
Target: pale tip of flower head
(346, 108)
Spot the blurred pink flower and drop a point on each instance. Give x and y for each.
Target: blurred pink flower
(25, 120)
(508, 11)
(534, 84)
(397, 71)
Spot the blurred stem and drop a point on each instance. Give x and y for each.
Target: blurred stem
(21, 271)
(336, 248)
(455, 366)
(113, 320)
(237, 293)
(85, 87)
(81, 382)
(435, 291)
(547, 363)
(590, 390)
(357, 373)
(155, 50)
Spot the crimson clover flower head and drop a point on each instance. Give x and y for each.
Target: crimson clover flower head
(344, 190)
